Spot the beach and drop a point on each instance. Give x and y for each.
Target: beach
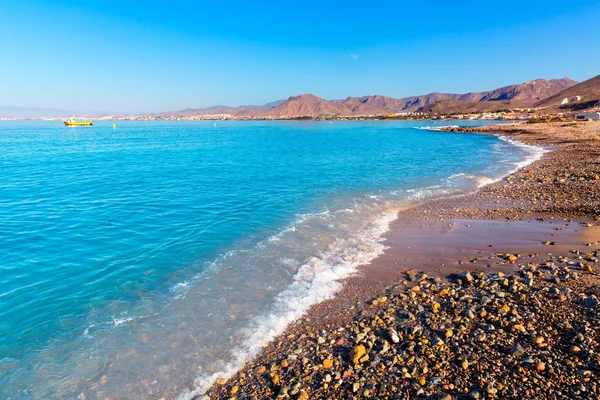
(493, 294)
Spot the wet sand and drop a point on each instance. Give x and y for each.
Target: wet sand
(539, 222)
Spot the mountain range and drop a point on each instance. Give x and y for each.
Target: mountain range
(308, 105)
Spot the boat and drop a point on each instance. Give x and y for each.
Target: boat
(78, 122)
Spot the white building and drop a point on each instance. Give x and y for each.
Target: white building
(588, 116)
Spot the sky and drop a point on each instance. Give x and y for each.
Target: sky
(151, 56)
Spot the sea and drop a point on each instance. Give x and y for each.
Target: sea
(149, 259)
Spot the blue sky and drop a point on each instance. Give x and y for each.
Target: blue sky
(155, 56)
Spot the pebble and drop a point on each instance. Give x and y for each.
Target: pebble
(499, 336)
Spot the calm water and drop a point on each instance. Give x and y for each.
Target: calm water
(149, 259)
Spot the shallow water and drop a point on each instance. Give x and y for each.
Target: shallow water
(149, 259)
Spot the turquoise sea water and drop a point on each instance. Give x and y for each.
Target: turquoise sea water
(149, 259)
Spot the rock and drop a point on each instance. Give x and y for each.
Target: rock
(517, 350)
(234, 390)
(587, 268)
(327, 364)
(538, 340)
(464, 277)
(303, 395)
(359, 354)
(284, 364)
(320, 340)
(592, 302)
(260, 370)
(275, 379)
(220, 381)
(394, 336)
(540, 366)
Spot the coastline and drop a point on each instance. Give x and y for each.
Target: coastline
(562, 184)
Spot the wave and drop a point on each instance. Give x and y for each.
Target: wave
(435, 128)
(534, 153)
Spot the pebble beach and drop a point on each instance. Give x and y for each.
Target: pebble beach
(479, 323)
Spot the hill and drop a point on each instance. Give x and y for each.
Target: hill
(306, 105)
(224, 110)
(528, 92)
(584, 95)
(450, 106)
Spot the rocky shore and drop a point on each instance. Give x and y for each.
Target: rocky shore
(532, 332)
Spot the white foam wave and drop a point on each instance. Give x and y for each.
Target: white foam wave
(316, 280)
(534, 153)
(435, 128)
(121, 321)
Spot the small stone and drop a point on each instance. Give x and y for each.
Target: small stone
(359, 354)
(275, 379)
(449, 333)
(303, 395)
(284, 364)
(538, 340)
(587, 268)
(517, 350)
(327, 364)
(260, 370)
(220, 381)
(465, 364)
(320, 340)
(234, 390)
(540, 366)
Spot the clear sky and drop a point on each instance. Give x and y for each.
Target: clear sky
(151, 55)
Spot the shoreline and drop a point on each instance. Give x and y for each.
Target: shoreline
(515, 197)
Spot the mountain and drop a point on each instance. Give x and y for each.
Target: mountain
(584, 95)
(528, 92)
(306, 105)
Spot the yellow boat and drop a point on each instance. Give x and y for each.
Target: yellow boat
(78, 122)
